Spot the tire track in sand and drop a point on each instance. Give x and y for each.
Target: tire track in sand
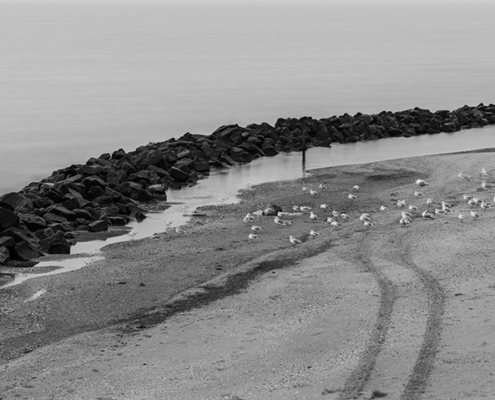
(401, 349)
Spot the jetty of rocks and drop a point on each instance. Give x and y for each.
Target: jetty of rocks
(110, 190)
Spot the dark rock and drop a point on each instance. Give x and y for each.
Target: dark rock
(25, 251)
(4, 255)
(13, 201)
(202, 166)
(53, 194)
(271, 209)
(62, 211)
(32, 222)
(157, 189)
(91, 181)
(117, 221)
(80, 213)
(8, 219)
(53, 218)
(98, 226)
(56, 244)
(179, 174)
(94, 192)
(7, 241)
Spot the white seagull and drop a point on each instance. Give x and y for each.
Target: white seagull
(368, 224)
(313, 192)
(356, 188)
(294, 241)
(464, 176)
(324, 206)
(334, 223)
(483, 172)
(401, 203)
(335, 213)
(421, 182)
(352, 197)
(313, 216)
(413, 208)
(383, 208)
(418, 194)
(461, 217)
(345, 216)
(305, 208)
(323, 186)
(313, 233)
(305, 189)
(427, 214)
(256, 228)
(486, 185)
(474, 214)
(249, 218)
(429, 201)
(253, 236)
(405, 221)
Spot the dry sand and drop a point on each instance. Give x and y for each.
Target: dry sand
(401, 312)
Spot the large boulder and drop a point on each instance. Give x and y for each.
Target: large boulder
(13, 201)
(8, 219)
(98, 226)
(25, 251)
(56, 244)
(178, 174)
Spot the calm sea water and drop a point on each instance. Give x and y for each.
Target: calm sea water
(78, 79)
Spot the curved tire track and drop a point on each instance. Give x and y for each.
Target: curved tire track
(411, 300)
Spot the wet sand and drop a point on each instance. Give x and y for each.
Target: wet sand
(206, 313)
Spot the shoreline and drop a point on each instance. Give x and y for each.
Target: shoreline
(165, 277)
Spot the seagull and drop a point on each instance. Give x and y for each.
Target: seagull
(253, 236)
(440, 211)
(249, 218)
(324, 206)
(305, 189)
(461, 217)
(356, 188)
(365, 217)
(486, 185)
(313, 233)
(294, 241)
(406, 214)
(464, 176)
(418, 194)
(288, 214)
(345, 216)
(401, 203)
(485, 206)
(474, 214)
(256, 228)
(483, 172)
(474, 201)
(330, 219)
(383, 208)
(429, 201)
(305, 208)
(334, 223)
(352, 197)
(467, 197)
(421, 182)
(368, 224)
(295, 208)
(323, 186)
(279, 221)
(427, 214)
(405, 221)
(313, 216)
(413, 208)
(313, 192)
(335, 213)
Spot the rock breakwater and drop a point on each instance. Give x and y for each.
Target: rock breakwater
(46, 217)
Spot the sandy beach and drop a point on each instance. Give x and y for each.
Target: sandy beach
(402, 312)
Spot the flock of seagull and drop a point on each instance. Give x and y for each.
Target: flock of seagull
(407, 214)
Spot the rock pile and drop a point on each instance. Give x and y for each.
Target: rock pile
(109, 190)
